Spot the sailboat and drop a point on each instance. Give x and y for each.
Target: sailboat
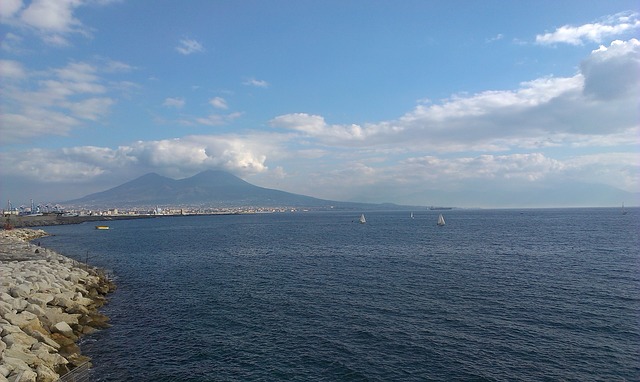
(440, 220)
(624, 212)
(412, 215)
(362, 219)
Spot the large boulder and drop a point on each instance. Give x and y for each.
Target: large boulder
(63, 328)
(21, 319)
(40, 299)
(24, 375)
(22, 354)
(19, 338)
(20, 291)
(45, 374)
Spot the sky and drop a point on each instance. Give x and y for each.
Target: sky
(446, 103)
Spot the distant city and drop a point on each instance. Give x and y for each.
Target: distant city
(74, 211)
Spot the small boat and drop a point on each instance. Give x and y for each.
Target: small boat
(624, 212)
(440, 220)
(102, 227)
(412, 215)
(362, 219)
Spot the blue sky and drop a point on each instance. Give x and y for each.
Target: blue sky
(463, 103)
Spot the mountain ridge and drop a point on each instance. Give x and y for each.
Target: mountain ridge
(210, 188)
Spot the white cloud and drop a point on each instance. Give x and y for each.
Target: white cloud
(315, 126)
(529, 167)
(601, 102)
(177, 103)
(495, 38)
(11, 43)
(614, 71)
(48, 167)
(595, 32)
(52, 102)
(118, 67)
(10, 69)
(9, 8)
(218, 103)
(34, 122)
(217, 119)
(91, 109)
(181, 157)
(617, 169)
(189, 46)
(52, 20)
(256, 83)
(52, 16)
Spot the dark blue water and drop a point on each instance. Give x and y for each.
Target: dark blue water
(500, 295)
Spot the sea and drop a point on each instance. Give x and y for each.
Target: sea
(494, 295)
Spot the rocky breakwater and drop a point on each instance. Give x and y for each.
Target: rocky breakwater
(47, 302)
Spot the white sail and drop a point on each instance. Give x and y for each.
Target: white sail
(362, 219)
(412, 215)
(440, 220)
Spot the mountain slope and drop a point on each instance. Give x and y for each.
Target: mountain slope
(208, 188)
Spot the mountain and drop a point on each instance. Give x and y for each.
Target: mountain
(208, 188)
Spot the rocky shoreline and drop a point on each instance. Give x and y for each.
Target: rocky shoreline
(47, 302)
(54, 219)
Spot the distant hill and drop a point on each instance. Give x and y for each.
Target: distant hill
(208, 188)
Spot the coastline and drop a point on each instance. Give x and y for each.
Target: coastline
(47, 302)
(17, 221)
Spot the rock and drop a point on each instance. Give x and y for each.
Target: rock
(86, 330)
(41, 346)
(78, 359)
(5, 308)
(25, 375)
(41, 299)
(21, 354)
(61, 339)
(19, 338)
(83, 300)
(64, 300)
(52, 360)
(97, 320)
(45, 340)
(21, 319)
(19, 304)
(63, 328)
(35, 309)
(78, 309)
(45, 374)
(21, 290)
(6, 329)
(14, 364)
(43, 296)
(55, 315)
(69, 350)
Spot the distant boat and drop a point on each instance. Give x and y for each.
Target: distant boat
(412, 215)
(102, 227)
(624, 212)
(440, 220)
(362, 219)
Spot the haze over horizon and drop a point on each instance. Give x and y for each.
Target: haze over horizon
(468, 104)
